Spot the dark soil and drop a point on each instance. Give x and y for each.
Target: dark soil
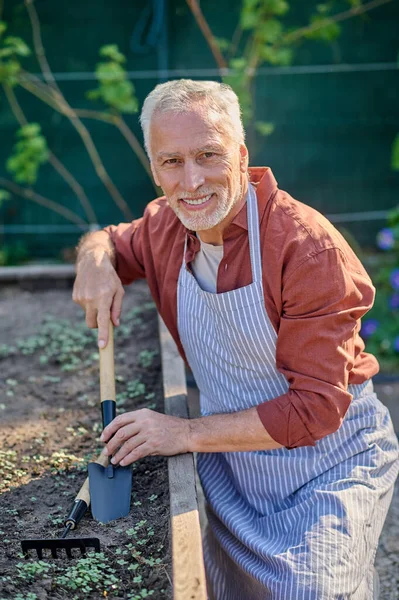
(50, 424)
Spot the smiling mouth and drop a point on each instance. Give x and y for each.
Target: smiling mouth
(197, 201)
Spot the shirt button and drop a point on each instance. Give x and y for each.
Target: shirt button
(225, 267)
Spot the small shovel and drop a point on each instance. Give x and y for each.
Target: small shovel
(110, 487)
(76, 513)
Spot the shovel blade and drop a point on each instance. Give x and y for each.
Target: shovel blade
(110, 490)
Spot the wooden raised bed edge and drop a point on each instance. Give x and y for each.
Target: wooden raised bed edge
(187, 556)
(17, 274)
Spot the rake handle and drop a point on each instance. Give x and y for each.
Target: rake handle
(82, 500)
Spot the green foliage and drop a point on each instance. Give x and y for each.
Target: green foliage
(10, 49)
(115, 89)
(4, 196)
(146, 358)
(222, 43)
(326, 31)
(90, 574)
(381, 327)
(29, 570)
(395, 154)
(264, 128)
(268, 41)
(13, 254)
(28, 154)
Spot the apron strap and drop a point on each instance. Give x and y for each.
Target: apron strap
(253, 233)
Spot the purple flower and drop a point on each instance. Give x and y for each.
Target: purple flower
(394, 301)
(396, 344)
(394, 278)
(369, 327)
(385, 239)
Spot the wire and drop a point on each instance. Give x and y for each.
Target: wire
(267, 71)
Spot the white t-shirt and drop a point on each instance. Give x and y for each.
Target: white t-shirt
(205, 266)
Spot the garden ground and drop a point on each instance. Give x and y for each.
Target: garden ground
(50, 425)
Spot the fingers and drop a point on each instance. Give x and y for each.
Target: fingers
(123, 437)
(116, 307)
(117, 423)
(140, 452)
(103, 317)
(128, 447)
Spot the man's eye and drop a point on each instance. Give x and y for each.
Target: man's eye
(170, 161)
(209, 154)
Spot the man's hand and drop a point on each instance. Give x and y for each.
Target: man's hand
(97, 288)
(145, 432)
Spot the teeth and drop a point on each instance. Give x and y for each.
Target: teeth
(196, 202)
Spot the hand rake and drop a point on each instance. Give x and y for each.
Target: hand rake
(78, 509)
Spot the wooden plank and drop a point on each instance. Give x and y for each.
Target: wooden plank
(187, 560)
(27, 272)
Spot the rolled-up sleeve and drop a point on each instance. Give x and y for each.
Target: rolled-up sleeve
(127, 239)
(323, 301)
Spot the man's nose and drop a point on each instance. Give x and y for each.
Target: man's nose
(193, 176)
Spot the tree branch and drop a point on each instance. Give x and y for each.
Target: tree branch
(71, 115)
(53, 160)
(207, 33)
(29, 194)
(120, 123)
(353, 12)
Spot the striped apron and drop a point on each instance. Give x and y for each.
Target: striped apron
(299, 524)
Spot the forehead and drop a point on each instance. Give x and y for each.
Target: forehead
(182, 132)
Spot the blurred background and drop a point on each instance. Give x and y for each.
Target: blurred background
(318, 83)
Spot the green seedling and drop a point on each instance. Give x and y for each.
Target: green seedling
(146, 358)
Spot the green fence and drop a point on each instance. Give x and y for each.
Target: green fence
(335, 111)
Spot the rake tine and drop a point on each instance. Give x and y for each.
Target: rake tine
(54, 546)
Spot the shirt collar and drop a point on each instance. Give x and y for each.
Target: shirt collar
(265, 184)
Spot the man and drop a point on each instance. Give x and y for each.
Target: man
(296, 455)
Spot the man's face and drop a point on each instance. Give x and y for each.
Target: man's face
(198, 166)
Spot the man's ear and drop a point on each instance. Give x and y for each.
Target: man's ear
(243, 158)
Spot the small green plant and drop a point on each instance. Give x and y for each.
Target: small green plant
(135, 388)
(142, 594)
(146, 358)
(90, 574)
(30, 570)
(381, 327)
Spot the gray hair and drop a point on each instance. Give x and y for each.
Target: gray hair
(180, 95)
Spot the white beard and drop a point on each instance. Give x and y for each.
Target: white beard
(203, 219)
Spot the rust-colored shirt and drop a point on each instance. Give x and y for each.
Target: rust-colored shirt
(315, 290)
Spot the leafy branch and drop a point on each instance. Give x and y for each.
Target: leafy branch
(29, 194)
(52, 158)
(267, 40)
(70, 113)
(114, 90)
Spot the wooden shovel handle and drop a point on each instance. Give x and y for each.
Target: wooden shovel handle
(107, 368)
(84, 493)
